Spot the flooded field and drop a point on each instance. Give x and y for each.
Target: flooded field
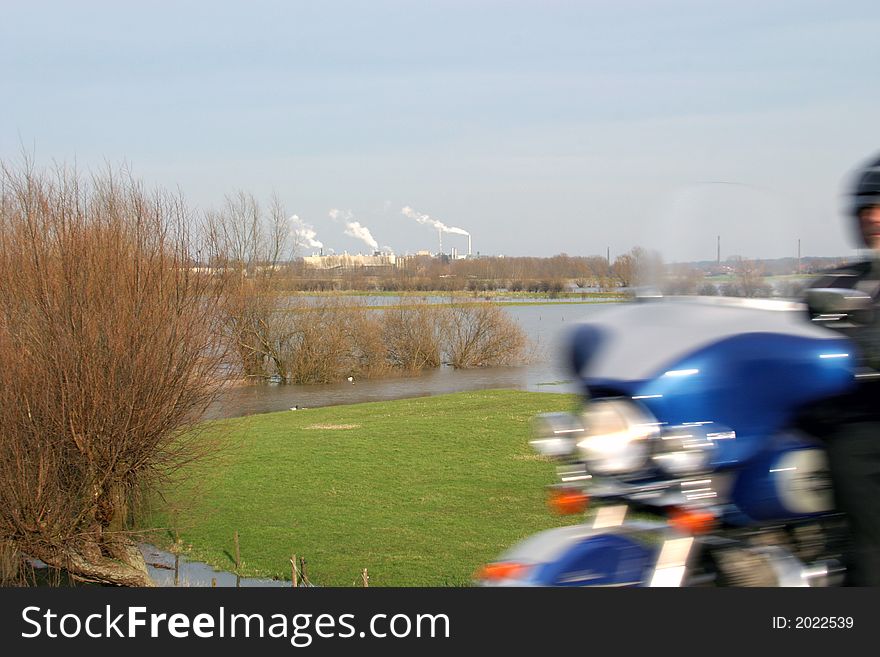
(545, 325)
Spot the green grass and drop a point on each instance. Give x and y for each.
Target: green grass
(421, 492)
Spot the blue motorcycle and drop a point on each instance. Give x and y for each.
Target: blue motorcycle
(690, 449)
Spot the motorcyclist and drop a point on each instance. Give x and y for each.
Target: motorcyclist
(851, 425)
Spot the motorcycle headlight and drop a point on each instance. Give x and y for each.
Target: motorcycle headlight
(686, 449)
(556, 434)
(617, 438)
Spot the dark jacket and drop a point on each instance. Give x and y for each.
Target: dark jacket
(863, 404)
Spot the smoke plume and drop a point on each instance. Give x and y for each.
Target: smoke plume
(429, 221)
(354, 228)
(304, 233)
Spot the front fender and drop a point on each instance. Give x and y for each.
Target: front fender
(581, 555)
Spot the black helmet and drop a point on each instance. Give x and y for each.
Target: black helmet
(865, 190)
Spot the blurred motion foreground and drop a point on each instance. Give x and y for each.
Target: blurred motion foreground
(696, 448)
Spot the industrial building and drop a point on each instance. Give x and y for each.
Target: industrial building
(348, 261)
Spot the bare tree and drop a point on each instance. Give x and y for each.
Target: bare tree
(413, 336)
(481, 335)
(247, 239)
(109, 350)
(253, 247)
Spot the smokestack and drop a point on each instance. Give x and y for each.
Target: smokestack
(718, 257)
(439, 225)
(469, 244)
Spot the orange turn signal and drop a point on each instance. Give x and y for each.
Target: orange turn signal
(691, 521)
(503, 570)
(567, 502)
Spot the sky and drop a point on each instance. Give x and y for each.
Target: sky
(537, 127)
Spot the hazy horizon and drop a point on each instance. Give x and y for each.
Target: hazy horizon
(537, 128)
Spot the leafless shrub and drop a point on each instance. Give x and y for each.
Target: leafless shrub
(317, 347)
(320, 341)
(369, 351)
(309, 342)
(247, 312)
(108, 350)
(328, 339)
(412, 335)
(482, 335)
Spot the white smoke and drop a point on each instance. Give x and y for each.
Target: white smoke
(354, 228)
(429, 221)
(304, 233)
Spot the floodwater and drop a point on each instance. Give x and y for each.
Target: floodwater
(544, 325)
(160, 565)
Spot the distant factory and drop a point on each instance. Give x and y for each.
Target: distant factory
(375, 261)
(348, 261)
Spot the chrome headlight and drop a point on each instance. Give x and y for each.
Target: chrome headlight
(556, 434)
(617, 437)
(687, 449)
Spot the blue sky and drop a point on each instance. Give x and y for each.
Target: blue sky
(540, 127)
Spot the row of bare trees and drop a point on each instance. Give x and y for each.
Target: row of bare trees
(746, 279)
(428, 273)
(322, 340)
(638, 267)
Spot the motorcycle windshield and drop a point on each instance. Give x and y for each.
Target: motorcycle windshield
(724, 339)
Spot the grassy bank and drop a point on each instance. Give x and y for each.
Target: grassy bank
(419, 491)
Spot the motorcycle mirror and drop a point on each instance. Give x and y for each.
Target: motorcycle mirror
(832, 304)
